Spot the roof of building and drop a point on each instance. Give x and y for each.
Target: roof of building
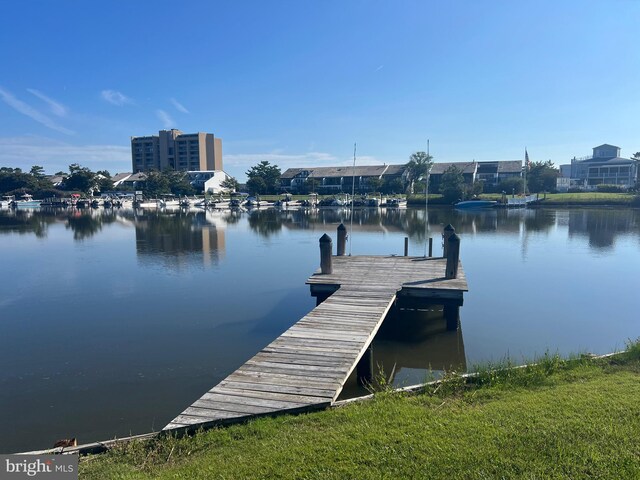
(137, 177)
(345, 171)
(348, 171)
(608, 161)
(118, 177)
(607, 145)
(292, 172)
(395, 169)
(510, 166)
(56, 179)
(439, 168)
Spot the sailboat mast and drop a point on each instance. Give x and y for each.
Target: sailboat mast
(353, 190)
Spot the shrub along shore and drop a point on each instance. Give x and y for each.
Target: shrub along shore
(560, 418)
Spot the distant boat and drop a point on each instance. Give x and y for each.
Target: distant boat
(473, 204)
(27, 201)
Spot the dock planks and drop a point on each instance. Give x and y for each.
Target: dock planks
(307, 366)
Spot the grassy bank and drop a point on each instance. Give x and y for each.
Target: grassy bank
(590, 198)
(560, 419)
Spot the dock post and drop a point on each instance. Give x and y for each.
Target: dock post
(453, 256)
(448, 231)
(430, 247)
(364, 368)
(342, 240)
(406, 246)
(451, 314)
(326, 246)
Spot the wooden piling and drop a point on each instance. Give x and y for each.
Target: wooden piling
(342, 240)
(447, 232)
(406, 246)
(451, 315)
(453, 256)
(364, 368)
(326, 246)
(430, 247)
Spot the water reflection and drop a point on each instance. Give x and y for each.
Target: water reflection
(601, 227)
(412, 347)
(160, 306)
(191, 231)
(180, 238)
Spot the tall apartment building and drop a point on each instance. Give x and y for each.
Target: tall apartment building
(175, 150)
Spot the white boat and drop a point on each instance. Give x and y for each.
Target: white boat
(26, 201)
(6, 201)
(473, 204)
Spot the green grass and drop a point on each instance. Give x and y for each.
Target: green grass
(588, 198)
(576, 418)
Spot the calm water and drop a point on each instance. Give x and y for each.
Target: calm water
(112, 323)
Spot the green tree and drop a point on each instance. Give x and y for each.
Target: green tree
(542, 176)
(15, 179)
(156, 184)
(419, 165)
(511, 185)
(452, 184)
(263, 178)
(257, 186)
(375, 183)
(37, 171)
(392, 185)
(230, 183)
(81, 179)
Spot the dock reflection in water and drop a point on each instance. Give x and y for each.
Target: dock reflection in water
(413, 347)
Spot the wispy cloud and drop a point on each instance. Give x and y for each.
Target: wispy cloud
(31, 112)
(115, 97)
(56, 107)
(53, 155)
(179, 106)
(165, 118)
(379, 68)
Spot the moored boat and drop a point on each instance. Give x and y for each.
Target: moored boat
(26, 201)
(473, 204)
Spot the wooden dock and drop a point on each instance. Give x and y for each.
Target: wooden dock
(307, 366)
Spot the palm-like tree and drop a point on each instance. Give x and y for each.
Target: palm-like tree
(419, 165)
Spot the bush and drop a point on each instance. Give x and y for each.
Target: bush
(604, 188)
(575, 190)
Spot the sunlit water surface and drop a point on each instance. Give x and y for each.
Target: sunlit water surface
(112, 323)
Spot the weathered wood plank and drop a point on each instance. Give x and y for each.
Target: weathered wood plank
(306, 367)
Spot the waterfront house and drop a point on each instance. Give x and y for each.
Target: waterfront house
(604, 166)
(328, 180)
(491, 173)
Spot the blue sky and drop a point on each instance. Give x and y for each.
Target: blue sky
(298, 82)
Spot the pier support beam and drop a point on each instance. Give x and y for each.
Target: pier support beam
(430, 247)
(447, 232)
(406, 246)
(453, 257)
(342, 240)
(364, 369)
(451, 315)
(326, 247)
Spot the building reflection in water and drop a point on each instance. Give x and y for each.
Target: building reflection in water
(180, 239)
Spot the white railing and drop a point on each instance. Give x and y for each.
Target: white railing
(517, 201)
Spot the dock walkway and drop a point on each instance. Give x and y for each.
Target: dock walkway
(307, 366)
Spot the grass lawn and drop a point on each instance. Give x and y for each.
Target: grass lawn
(596, 198)
(560, 419)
